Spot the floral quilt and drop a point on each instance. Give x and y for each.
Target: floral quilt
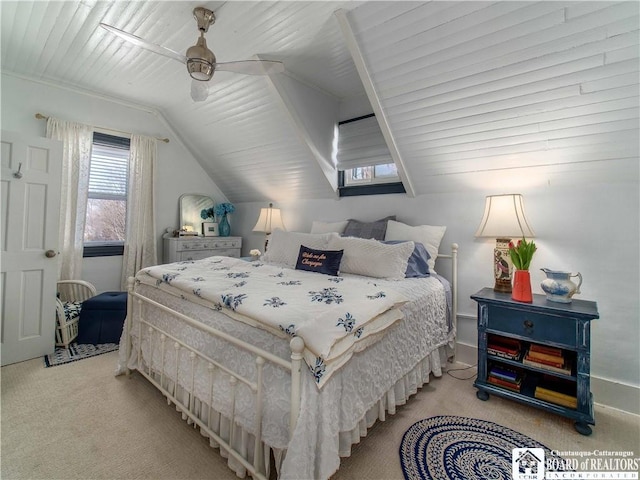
(335, 316)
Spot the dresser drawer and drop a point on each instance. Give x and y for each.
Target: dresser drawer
(227, 252)
(532, 326)
(207, 245)
(180, 249)
(195, 255)
(224, 244)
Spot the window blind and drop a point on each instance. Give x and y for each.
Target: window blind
(109, 167)
(361, 144)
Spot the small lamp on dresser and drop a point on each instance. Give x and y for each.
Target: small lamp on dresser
(503, 219)
(269, 219)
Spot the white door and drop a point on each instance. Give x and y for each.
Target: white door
(30, 204)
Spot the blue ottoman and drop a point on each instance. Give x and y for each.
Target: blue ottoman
(102, 318)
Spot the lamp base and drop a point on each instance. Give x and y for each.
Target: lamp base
(502, 285)
(502, 266)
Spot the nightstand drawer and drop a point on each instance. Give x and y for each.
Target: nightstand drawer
(532, 326)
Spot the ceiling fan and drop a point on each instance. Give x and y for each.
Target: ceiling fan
(200, 61)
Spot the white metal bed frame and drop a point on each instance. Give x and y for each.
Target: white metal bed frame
(258, 465)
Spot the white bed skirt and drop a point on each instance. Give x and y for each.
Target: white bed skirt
(211, 423)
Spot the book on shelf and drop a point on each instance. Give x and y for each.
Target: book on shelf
(556, 384)
(504, 343)
(556, 390)
(545, 356)
(554, 393)
(550, 366)
(504, 373)
(503, 383)
(555, 397)
(504, 347)
(517, 380)
(502, 354)
(558, 401)
(559, 363)
(535, 347)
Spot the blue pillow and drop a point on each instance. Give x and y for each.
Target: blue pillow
(319, 261)
(418, 266)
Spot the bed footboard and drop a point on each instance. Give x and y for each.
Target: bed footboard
(154, 368)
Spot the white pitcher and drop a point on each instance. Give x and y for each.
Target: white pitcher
(558, 285)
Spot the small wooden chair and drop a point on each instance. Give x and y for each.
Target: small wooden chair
(71, 294)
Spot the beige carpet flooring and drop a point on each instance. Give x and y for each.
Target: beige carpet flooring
(78, 421)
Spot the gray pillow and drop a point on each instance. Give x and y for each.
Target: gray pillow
(376, 230)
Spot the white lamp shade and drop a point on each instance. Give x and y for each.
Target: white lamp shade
(504, 218)
(269, 220)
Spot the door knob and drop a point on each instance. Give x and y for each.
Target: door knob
(50, 253)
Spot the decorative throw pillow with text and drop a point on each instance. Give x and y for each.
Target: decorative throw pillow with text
(319, 261)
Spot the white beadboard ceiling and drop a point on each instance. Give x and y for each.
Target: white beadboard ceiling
(465, 87)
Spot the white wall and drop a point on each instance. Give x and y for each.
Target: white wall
(177, 170)
(587, 227)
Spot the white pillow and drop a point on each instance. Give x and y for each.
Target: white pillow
(328, 227)
(372, 258)
(284, 247)
(430, 236)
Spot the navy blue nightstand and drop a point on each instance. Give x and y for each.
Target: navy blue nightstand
(545, 326)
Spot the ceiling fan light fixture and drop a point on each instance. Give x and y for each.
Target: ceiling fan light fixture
(200, 69)
(200, 60)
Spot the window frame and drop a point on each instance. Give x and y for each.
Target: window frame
(112, 248)
(368, 188)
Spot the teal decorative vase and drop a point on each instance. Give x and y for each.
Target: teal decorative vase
(223, 227)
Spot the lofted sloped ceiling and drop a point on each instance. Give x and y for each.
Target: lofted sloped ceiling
(464, 87)
(241, 135)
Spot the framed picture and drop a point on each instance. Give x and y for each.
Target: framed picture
(210, 229)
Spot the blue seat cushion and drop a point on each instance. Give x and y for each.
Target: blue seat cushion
(102, 318)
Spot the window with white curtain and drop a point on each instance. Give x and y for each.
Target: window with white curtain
(365, 166)
(104, 231)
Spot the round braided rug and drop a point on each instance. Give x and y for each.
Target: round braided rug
(461, 448)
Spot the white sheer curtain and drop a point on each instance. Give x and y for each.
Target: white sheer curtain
(76, 159)
(140, 245)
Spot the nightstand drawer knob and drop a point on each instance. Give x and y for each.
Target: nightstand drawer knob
(528, 327)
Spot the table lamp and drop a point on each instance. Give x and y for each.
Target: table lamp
(503, 219)
(268, 221)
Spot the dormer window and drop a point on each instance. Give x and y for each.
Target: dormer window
(365, 166)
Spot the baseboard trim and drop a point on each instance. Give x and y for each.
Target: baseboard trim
(607, 393)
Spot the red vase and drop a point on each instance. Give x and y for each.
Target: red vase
(522, 286)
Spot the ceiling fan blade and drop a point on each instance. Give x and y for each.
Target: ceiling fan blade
(145, 44)
(252, 67)
(199, 90)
